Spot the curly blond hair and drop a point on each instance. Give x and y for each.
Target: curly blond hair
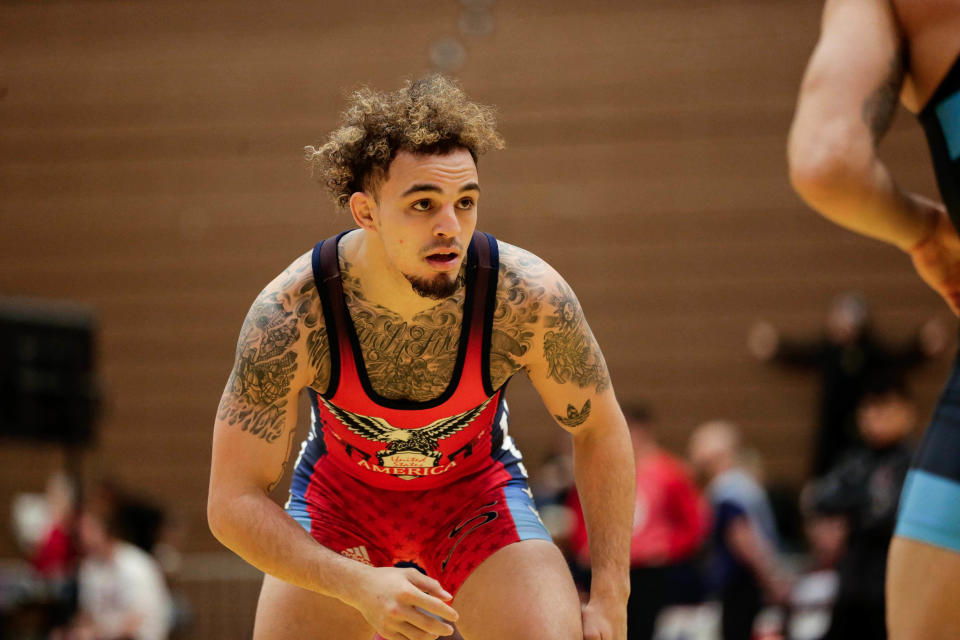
(428, 115)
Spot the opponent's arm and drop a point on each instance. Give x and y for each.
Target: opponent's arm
(568, 370)
(847, 101)
(757, 554)
(282, 349)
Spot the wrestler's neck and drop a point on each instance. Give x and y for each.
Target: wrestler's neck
(381, 283)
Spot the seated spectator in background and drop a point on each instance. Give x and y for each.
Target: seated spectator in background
(844, 358)
(743, 565)
(670, 523)
(122, 594)
(865, 488)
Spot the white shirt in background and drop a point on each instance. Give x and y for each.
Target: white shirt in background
(128, 585)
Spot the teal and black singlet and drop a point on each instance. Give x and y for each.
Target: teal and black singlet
(941, 122)
(930, 507)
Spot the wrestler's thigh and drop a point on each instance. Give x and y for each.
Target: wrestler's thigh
(923, 589)
(287, 612)
(523, 590)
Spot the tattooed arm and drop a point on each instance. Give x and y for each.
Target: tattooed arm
(282, 349)
(567, 368)
(255, 423)
(847, 102)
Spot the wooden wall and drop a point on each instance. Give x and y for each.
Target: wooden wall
(151, 167)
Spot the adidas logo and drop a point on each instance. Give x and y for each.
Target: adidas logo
(357, 553)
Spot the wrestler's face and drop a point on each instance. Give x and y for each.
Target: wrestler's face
(885, 420)
(424, 216)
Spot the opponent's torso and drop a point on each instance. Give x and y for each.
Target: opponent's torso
(931, 31)
(940, 119)
(408, 405)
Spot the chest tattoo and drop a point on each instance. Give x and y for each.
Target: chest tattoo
(410, 359)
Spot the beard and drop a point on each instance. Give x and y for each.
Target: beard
(440, 287)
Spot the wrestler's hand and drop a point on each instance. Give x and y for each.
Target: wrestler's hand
(391, 601)
(937, 258)
(604, 620)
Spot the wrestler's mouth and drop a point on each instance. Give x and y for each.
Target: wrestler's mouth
(443, 259)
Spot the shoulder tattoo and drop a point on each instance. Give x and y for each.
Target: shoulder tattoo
(519, 306)
(571, 351)
(257, 391)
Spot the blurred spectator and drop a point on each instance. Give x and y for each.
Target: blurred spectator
(42, 594)
(670, 523)
(136, 519)
(865, 488)
(55, 554)
(844, 358)
(743, 564)
(814, 593)
(122, 595)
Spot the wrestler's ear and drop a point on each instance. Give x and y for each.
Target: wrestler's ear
(364, 209)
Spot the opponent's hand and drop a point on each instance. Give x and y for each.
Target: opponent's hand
(604, 620)
(937, 258)
(391, 601)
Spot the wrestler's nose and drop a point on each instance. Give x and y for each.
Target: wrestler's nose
(446, 224)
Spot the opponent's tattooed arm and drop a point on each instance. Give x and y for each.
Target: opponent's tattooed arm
(881, 105)
(847, 101)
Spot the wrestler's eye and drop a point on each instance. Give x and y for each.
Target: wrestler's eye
(466, 203)
(421, 205)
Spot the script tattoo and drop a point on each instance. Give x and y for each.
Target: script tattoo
(569, 347)
(519, 302)
(880, 106)
(405, 359)
(257, 391)
(574, 418)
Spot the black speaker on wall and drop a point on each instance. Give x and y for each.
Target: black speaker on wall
(48, 389)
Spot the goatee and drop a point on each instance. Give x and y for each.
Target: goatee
(437, 288)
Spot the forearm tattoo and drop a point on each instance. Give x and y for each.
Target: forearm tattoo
(574, 418)
(880, 106)
(571, 352)
(519, 306)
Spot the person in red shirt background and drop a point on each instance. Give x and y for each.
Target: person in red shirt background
(671, 521)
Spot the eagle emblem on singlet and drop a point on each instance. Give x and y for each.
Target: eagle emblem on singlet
(414, 449)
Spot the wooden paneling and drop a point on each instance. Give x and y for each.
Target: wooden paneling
(151, 166)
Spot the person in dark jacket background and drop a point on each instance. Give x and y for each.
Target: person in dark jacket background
(865, 488)
(845, 358)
